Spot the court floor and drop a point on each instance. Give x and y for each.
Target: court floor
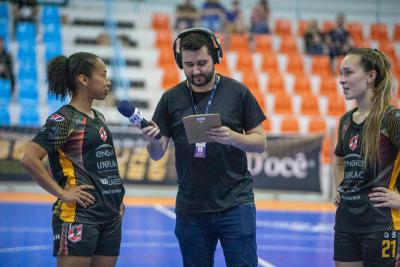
(288, 233)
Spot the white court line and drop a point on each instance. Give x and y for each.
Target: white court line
(167, 212)
(164, 210)
(28, 248)
(25, 229)
(264, 263)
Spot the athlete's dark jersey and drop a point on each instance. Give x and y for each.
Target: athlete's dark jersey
(356, 213)
(81, 151)
(221, 180)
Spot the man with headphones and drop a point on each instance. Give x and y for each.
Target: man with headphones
(215, 199)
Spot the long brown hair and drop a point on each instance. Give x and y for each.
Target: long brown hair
(383, 98)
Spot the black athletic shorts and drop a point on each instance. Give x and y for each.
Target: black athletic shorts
(377, 249)
(87, 240)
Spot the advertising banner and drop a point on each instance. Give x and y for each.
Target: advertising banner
(290, 163)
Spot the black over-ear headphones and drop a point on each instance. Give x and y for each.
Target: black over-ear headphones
(216, 52)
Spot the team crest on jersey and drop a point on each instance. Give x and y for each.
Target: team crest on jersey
(56, 117)
(75, 233)
(103, 134)
(353, 142)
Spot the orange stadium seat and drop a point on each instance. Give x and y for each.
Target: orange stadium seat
(166, 57)
(328, 86)
(250, 79)
(309, 105)
(222, 69)
(283, 103)
(160, 21)
(317, 125)
(170, 78)
(302, 27)
(396, 33)
(270, 63)
(288, 45)
(276, 83)
(164, 39)
(289, 125)
(302, 84)
(283, 27)
(328, 25)
(361, 43)
(239, 42)
(336, 105)
(295, 64)
(260, 99)
(321, 65)
(266, 124)
(389, 50)
(379, 32)
(263, 43)
(244, 61)
(355, 30)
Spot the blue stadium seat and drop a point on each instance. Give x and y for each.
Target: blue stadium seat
(51, 33)
(5, 90)
(26, 50)
(53, 49)
(29, 116)
(3, 27)
(25, 31)
(4, 32)
(50, 14)
(4, 114)
(27, 70)
(3, 10)
(28, 91)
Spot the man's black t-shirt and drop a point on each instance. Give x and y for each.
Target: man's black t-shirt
(220, 180)
(81, 151)
(356, 213)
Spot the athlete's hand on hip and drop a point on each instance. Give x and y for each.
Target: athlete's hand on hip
(223, 135)
(150, 132)
(385, 198)
(77, 194)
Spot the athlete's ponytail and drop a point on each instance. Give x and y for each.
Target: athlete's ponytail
(62, 72)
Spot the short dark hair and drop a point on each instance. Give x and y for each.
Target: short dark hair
(195, 41)
(62, 72)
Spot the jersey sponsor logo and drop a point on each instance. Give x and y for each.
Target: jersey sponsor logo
(353, 142)
(57, 117)
(108, 164)
(103, 134)
(105, 150)
(75, 233)
(112, 180)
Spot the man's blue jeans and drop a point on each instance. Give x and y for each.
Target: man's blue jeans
(235, 228)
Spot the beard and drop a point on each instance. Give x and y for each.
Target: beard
(201, 79)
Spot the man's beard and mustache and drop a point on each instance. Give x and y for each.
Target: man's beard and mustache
(206, 78)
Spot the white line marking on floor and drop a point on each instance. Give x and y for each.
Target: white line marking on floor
(164, 210)
(167, 212)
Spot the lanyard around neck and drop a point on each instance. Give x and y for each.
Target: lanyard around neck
(210, 99)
